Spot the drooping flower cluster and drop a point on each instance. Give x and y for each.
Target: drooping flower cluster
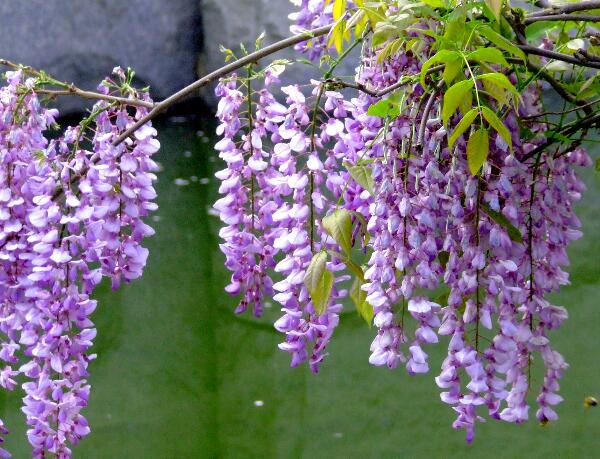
(468, 256)
(71, 213)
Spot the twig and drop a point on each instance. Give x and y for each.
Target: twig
(426, 111)
(74, 91)
(562, 17)
(564, 112)
(528, 49)
(567, 8)
(227, 69)
(71, 89)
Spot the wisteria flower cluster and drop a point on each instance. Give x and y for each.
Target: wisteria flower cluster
(462, 208)
(434, 190)
(71, 213)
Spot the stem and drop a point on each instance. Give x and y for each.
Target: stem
(567, 8)
(249, 140)
(563, 17)
(225, 70)
(477, 274)
(313, 132)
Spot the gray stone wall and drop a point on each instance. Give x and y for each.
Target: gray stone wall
(229, 22)
(168, 42)
(81, 41)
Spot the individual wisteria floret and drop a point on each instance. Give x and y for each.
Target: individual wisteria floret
(70, 214)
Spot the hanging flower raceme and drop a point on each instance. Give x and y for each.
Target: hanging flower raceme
(462, 220)
(69, 216)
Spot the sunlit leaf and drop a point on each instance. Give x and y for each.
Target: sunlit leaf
(338, 225)
(478, 148)
(453, 97)
(488, 56)
(361, 175)
(359, 298)
(495, 6)
(384, 108)
(443, 55)
(319, 282)
(501, 42)
(451, 70)
(462, 126)
(498, 125)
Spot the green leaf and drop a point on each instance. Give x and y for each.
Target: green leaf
(462, 126)
(453, 97)
(338, 225)
(498, 93)
(441, 56)
(499, 79)
(513, 232)
(495, 38)
(598, 165)
(539, 29)
(319, 282)
(495, 6)
(359, 298)
(478, 148)
(498, 125)
(451, 70)
(454, 32)
(435, 3)
(488, 55)
(361, 175)
(384, 108)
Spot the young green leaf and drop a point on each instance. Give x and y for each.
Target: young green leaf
(453, 97)
(462, 126)
(495, 38)
(361, 175)
(384, 108)
(498, 125)
(478, 148)
(498, 93)
(319, 282)
(499, 79)
(444, 55)
(488, 56)
(495, 6)
(338, 225)
(359, 298)
(451, 70)
(513, 233)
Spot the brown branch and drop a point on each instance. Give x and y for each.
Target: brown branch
(74, 91)
(562, 17)
(567, 8)
(71, 89)
(528, 49)
(251, 58)
(568, 130)
(223, 71)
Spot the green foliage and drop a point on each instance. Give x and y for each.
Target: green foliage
(462, 126)
(338, 225)
(513, 232)
(361, 175)
(477, 149)
(453, 97)
(359, 298)
(319, 282)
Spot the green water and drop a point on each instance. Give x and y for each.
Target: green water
(179, 376)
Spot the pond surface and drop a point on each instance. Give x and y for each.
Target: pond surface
(178, 375)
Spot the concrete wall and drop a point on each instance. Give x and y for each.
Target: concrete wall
(81, 41)
(168, 42)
